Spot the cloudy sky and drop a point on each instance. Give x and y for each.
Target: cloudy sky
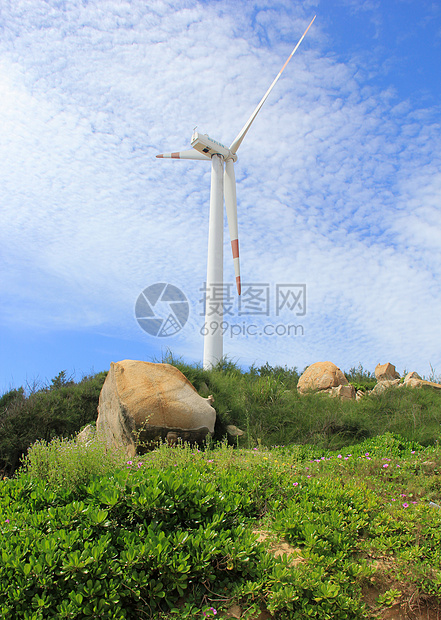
(338, 180)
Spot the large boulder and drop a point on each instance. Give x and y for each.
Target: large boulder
(142, 402)
(321, 376)
(386, 372)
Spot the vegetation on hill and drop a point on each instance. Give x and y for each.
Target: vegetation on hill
(59, 409)
(324, 509)
(262, 401)
(186, 534)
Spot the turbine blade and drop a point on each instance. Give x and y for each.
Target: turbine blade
(238, 141)
(231, 208)
(191, 154)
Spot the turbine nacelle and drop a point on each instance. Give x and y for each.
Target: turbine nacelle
(202, 143)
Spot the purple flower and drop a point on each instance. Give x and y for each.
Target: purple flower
(385, 465)
(405, 505)
(295, 484)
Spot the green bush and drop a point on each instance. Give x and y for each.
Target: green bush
(180, 524)
(125, 545)
(58, 410)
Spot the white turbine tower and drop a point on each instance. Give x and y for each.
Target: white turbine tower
(223, 183)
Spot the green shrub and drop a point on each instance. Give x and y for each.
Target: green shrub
(122, 545)
(181, 524)
(58, 410)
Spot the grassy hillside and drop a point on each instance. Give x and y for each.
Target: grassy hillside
(262, 401)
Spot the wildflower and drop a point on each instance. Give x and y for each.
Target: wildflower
(339, 456)
(405, 505)
(295, 484)
(6, 520)
(140, 464)
(129, 462)
(402, 495)
(385, 465)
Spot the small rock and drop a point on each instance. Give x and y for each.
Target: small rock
(384, 384)
(386, 372)
(345, 392)
(359, 395)
(233, 431)
(321, 376)
(412, 375)
(86, 435)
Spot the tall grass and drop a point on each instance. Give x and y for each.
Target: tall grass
(264, 403)
(67, 463)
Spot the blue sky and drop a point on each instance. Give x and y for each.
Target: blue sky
(338, 180)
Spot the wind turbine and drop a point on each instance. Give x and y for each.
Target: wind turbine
(223, 184)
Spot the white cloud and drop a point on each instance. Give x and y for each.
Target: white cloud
(338, 182)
